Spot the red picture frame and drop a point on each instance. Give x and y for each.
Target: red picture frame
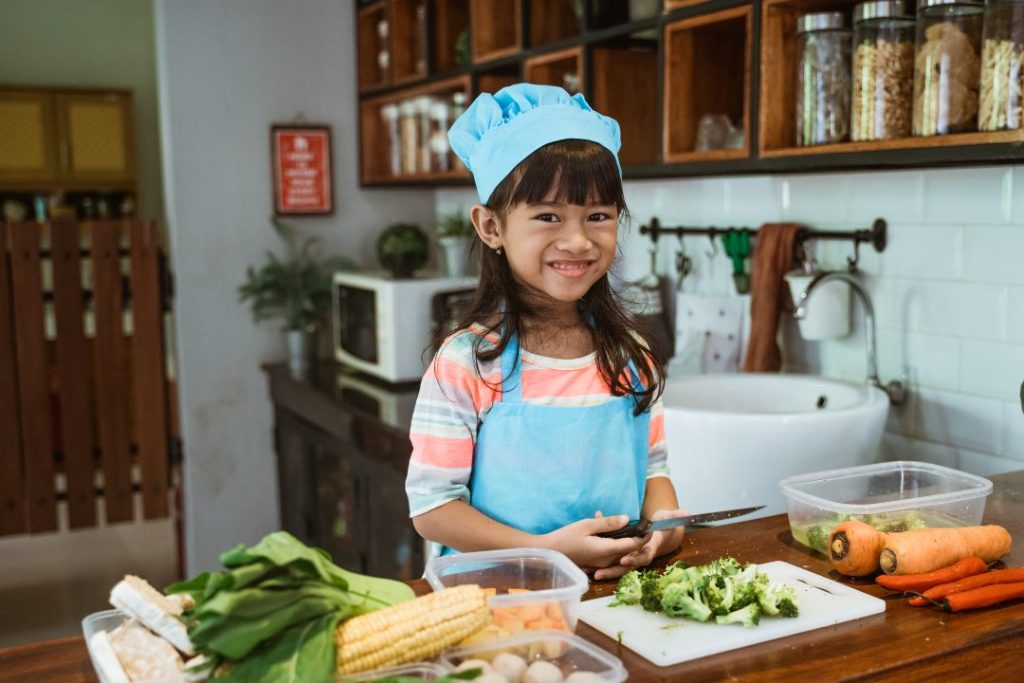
(301, 167)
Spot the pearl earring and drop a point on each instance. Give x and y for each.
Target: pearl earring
(498, 251)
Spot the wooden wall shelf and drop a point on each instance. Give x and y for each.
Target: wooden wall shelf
(657, 75)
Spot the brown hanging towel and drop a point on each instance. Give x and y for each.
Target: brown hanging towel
(769, 296)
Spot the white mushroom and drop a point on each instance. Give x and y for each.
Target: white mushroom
(491, 677)
(475, 664)
(511, 666)
(542, 672)
(583, 677)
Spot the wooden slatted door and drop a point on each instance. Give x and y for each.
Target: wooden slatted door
(84, 405)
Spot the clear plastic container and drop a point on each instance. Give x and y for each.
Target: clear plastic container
(423, 671)
(107, 620)
(883, 71)
(568, 652)
(823, 79)
(891, 496)
(1002, 67)
(535, 576)
(947, 66)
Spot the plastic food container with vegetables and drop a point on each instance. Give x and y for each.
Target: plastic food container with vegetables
(890, 496)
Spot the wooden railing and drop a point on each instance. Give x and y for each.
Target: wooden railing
(85, 407)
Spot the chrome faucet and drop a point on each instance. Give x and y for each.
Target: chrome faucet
(896, 389)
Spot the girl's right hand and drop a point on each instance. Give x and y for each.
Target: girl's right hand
(580, 543)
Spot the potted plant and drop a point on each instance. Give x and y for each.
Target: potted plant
(454, 232)
(402, 248)
(296, 289)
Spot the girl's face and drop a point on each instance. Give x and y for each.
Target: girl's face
(557, 248)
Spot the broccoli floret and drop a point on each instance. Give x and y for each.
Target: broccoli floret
(817, 538)
(628, 591)
(721, 594)
(748, 616)
(650, 591)
(778, 599)
(677, 601)
(723, 566)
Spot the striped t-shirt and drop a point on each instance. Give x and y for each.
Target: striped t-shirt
(454, 401)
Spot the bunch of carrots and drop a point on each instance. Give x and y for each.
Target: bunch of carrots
(966, 584)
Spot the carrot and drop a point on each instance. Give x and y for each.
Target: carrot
(983, 597)
(916, 583)
(854, 548)
(923, 550)
(993, 577)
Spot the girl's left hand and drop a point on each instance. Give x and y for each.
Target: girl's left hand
(660, 542)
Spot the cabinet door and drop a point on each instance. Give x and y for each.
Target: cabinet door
(296, 491)
(97, 132)
(395, 549)
(28, 141)
(340, 514)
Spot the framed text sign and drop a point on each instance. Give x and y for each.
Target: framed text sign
(301, 157)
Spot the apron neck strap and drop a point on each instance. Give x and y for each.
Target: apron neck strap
(511, 371)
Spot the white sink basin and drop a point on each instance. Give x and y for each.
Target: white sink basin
(732, 437)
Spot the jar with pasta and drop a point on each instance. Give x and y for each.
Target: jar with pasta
(823, 79)
(1002, 66)
(947, 66)
(883, 71)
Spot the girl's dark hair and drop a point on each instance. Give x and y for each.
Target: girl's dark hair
(583, 172)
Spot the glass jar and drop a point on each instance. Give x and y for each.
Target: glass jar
(947, 66)
(409, 133)
(389, 114)
(823, 79)
(883, 71)
(1002, 66)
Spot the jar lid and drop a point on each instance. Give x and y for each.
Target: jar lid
(921, 4)
(880, 9)
(821, 21)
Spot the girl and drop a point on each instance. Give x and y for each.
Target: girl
(539, 421)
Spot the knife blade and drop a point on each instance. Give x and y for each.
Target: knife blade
(641, 527)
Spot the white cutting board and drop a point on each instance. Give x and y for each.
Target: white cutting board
(665, 641)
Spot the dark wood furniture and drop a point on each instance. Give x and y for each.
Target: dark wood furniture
(657, 75)
(905, 644)
(342, 458)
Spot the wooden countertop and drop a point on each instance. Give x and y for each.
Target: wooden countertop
(905, 643)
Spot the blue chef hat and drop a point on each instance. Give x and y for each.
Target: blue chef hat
(500, 130)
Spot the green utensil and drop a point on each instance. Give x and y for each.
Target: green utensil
(737, 246)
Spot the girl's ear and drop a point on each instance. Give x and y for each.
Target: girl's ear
(487, 226)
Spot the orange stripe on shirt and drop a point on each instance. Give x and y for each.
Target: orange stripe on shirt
(440, 451)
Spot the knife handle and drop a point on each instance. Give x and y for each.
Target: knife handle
(636, 528)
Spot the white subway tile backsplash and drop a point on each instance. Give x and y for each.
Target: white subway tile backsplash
(898, 447)
(1015, 314)
(819, 201)
(752, 201)
(1013, 429)
(991, 369)
(985, 464)
(914, 251)
(994, 254)
(896, 196)
(958, 420)
(1017, 196)
(943, 308)
(975, 196)
(932, 361)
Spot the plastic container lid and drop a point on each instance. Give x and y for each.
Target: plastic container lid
(807, 488)
(598, 661)
(427, 671)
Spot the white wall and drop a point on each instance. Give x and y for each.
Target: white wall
(101, 44)
(227, 70)
(948, 291)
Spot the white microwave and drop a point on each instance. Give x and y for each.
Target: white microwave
(383, 326)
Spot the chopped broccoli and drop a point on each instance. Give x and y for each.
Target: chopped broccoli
(629, 590)
(778, 599)
(748, 616)
(650, 591)
(721, 594)
(817, 538)
(679, 601)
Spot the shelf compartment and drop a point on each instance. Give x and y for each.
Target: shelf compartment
(376, 146)
(552, 21)
(495, 79)
(707, 71)
(563, 68)
(672, 5)
(634, 70)
(932, 141)
(450, 19)
(495, 28)
(408, 40)
(371, 75)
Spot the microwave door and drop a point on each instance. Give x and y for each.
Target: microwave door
(357, 322)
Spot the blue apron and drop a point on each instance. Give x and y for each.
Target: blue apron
(537, 467)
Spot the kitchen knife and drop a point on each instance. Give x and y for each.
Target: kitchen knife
(641, 527)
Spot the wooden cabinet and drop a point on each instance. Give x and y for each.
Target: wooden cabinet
(61, 140)
(341, 478)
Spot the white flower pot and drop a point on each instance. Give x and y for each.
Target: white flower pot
(301, 350)
(456, 255)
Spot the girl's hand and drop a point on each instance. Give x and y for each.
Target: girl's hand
(658, 543)
(579, 542)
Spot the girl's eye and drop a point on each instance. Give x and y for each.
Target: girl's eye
(599, 217)
(547, 217)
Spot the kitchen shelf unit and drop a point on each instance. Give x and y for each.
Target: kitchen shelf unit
(658, 75)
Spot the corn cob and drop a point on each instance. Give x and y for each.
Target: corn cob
(410, 631)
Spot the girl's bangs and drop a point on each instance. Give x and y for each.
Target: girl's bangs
(581, 172)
